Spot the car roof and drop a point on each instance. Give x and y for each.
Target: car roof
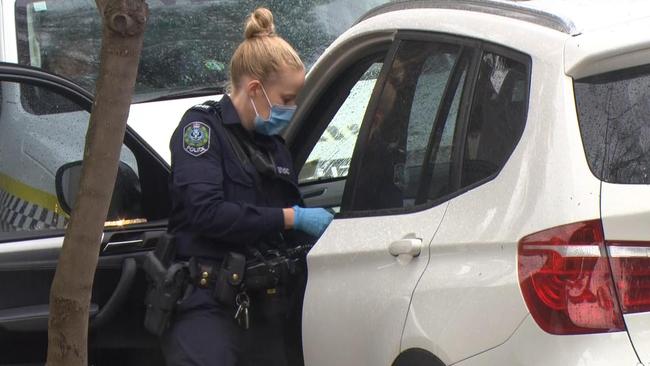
(568, 16)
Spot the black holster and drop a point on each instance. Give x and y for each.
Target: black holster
(167, 284)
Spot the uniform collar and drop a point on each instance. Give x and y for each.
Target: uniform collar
(228, 112)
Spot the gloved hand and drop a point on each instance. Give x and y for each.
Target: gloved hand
(312, 221)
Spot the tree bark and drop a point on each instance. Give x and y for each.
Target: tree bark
(123, 31)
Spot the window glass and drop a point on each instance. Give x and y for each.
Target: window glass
(33, 146)
(187, 43)
(438, 180)
(401, 132)
(331, 156)
(614, 115)
(32, 98)
(497, 117)
(428, 94)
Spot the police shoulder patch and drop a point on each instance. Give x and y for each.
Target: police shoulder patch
(196, 138)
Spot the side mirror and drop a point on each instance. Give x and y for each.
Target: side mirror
(126, 202)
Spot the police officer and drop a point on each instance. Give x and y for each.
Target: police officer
(233, 187)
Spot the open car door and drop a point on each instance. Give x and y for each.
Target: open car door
(43, 123)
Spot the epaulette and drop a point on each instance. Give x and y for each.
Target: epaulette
(210, 106)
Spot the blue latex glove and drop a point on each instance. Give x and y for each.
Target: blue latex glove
(312, 221)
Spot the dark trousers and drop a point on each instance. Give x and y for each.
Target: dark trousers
(205, 333)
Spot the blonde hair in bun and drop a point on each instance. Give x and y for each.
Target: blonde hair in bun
(263, 52)
(259, 24)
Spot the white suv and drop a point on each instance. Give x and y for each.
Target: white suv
(496, 209)
(488, 161)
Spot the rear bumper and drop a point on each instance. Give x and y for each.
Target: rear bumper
(531, 346)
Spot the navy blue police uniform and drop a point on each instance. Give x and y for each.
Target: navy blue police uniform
(222, 203)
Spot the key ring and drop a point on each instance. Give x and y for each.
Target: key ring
(242, 298)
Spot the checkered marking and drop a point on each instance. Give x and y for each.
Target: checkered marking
(17, 214)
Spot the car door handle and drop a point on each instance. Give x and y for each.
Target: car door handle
(113, 246)
(410, 247)
(313, 193)
(130, 241)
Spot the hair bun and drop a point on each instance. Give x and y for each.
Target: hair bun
(259, 24)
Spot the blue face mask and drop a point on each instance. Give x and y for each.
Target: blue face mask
(278, 119)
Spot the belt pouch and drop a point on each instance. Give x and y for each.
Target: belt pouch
(229, 278)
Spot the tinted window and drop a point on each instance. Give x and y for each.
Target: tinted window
(614, 115)
(32, 98)
(497, 117)
(187, 44)
(402, 136)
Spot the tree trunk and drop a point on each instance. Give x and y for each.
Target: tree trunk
(123, 31)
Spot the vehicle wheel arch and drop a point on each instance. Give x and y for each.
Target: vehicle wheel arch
(417, 357)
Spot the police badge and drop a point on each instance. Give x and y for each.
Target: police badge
(196, 138)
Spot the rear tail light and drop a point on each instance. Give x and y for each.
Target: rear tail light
(566, 280)
(630, 263)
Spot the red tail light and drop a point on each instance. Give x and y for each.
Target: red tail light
(630, 263)
(566, 280)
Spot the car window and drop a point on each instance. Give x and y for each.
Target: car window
(497, 116)
(401, 133)
(34, 145)
(187, 43)
(614, 110)
(331, 156)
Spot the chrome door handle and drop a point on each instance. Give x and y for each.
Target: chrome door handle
(126, 243)
(410, 247)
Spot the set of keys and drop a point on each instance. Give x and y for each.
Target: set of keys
(241, 315)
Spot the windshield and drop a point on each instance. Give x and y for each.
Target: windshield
(187, 45)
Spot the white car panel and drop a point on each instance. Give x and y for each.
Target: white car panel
(467, 24)
(626, 212)
(638, 326)
(609, 49)
(466, 290)
(606, 349)
(626, 217)
(357, 293)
